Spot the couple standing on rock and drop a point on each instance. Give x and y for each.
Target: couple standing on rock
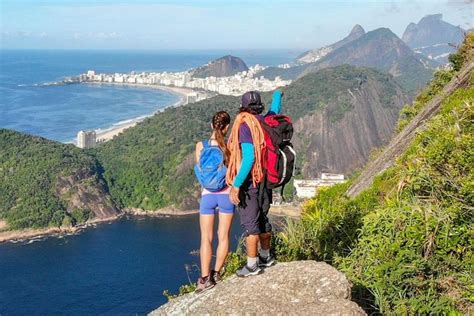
(257, 157)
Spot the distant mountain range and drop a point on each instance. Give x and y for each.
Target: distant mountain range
(411, 60)
(383, 50)
(222, 67)
(433, 37)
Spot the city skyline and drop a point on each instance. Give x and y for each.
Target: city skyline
(211, 24)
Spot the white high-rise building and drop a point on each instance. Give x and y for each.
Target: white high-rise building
(86, 139)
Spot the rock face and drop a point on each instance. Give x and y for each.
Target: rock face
(297, 288)
(316, 54)
(383, 50)
(432, 36)
(400, 143)
(84, 191)
(222, 67)
(348, 112)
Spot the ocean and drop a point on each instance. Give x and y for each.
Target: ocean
(121, 267)
(59, 112)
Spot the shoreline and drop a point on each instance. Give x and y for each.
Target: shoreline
(30, 234)
(108, 133)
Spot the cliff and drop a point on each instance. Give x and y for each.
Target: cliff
(399, 144)
(222, 67)
(347, 113)
(48, 184)
(296, 288)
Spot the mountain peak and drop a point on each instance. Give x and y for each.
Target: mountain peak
(432, 17)
(225, 66)
(384, 33)
(431, 36)
(357, 29)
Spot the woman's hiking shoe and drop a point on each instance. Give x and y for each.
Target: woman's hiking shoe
(266, 262)
(246, 271)
(204, 284)
(216, 276)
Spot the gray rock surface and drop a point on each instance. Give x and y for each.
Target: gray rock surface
(402, 140)
(297, 288)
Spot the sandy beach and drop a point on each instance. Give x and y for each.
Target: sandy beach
(107, 134)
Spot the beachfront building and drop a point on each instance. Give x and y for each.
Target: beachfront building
(306, 189)
(86, 139)
(232, 85)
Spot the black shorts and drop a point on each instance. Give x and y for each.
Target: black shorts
(254, 215)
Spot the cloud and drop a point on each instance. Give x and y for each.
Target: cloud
(97, 35)
(392, 7)
(23, 34)
(105, 35)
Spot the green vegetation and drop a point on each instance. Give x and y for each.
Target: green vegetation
(327, 89)
(407, 241)
(409, 111)
(29, 170)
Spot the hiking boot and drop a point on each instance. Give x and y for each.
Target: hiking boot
(266, 262)
(204, 284)
(246, 271)
(216, 276)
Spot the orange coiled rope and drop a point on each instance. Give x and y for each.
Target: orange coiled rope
(236, 152)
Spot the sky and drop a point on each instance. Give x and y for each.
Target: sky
(208, 24)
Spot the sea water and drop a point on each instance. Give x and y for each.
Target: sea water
(59, 112)
(121, 267)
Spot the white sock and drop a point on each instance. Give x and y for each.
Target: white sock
(251, 261)
(264, 253)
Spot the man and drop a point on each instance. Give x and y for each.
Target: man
(245, 175)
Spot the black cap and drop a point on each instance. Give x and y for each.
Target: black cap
(250, 99)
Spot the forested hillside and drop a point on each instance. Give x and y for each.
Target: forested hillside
(406, 241)
(150, 166)
(46, 183)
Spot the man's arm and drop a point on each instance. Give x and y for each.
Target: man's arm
(275, 107)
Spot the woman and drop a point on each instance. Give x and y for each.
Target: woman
(212, 157)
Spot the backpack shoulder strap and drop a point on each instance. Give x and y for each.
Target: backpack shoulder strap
(205, 143)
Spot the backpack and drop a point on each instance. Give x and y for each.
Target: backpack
(211, 171)
(279, 157)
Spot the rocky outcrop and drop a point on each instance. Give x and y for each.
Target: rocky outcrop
(296, 288)
(84, 191)
(223, 67)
